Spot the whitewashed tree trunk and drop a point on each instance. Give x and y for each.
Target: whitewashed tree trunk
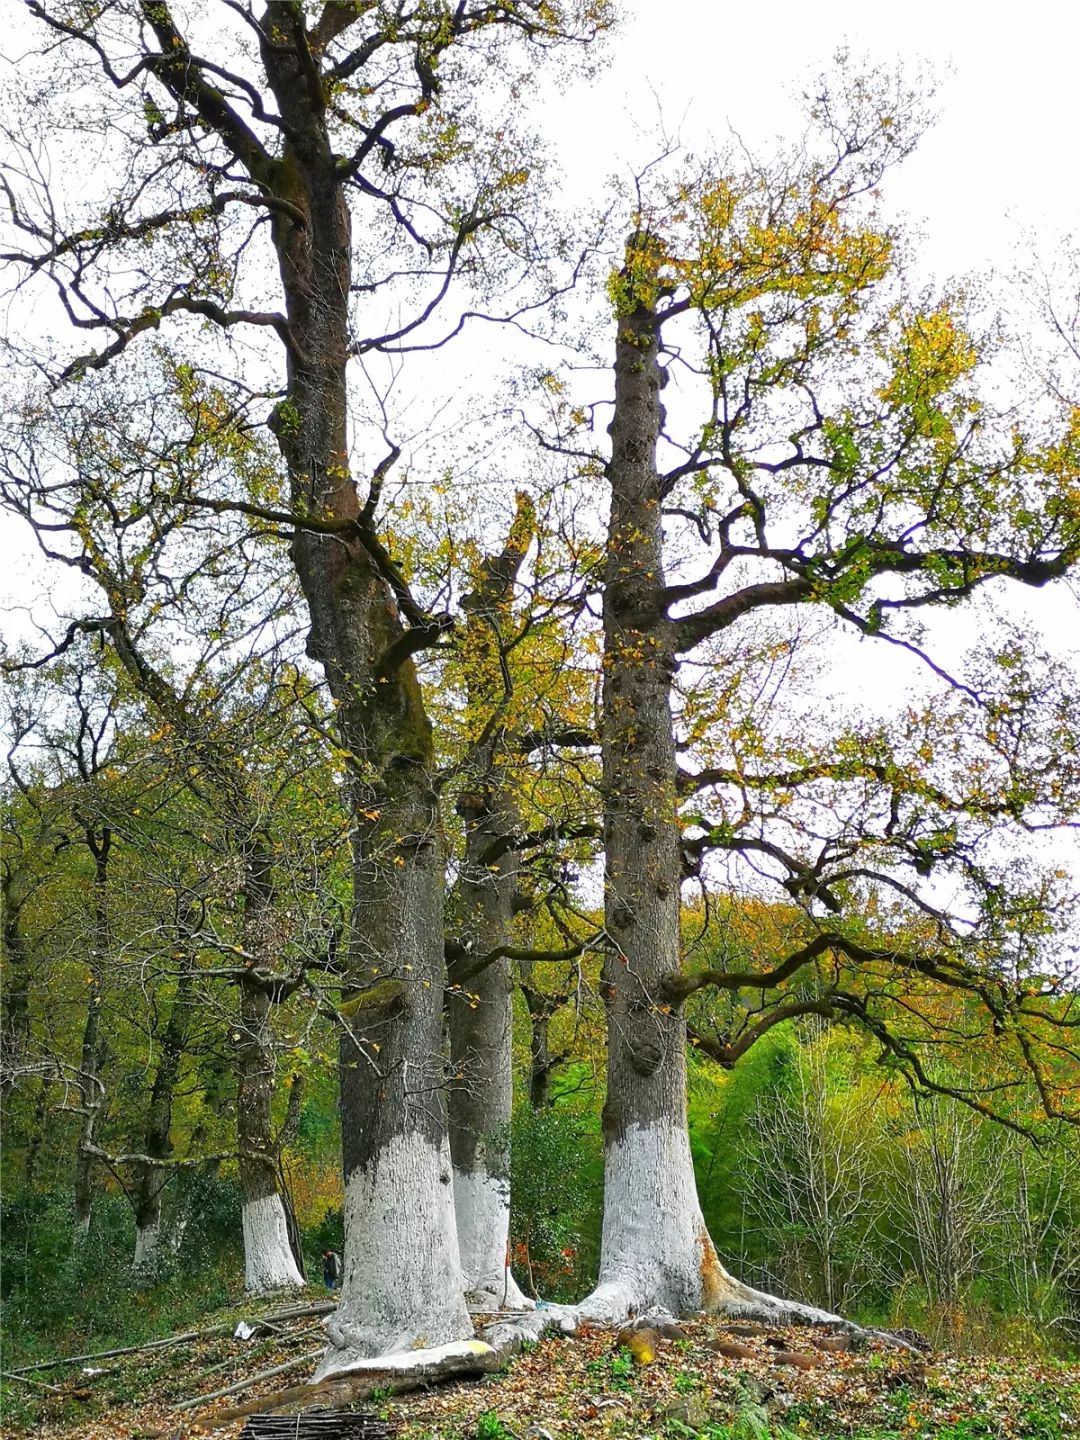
(151, 1235)
(480, 1001)
(148, 1225)
(482, 1204)
(400, 1292)
(655, 1250)
(402, 1281)
(402, 1289)
(656, 1253)
(269, 1263)
(268, 1258)
(481, 1096)
(481, 1019)
(480, 1107)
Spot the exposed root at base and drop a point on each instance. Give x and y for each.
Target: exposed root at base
(742, 1302)
(390, 1374)
(507, 1333)
(614, 1305)
(395, 1374)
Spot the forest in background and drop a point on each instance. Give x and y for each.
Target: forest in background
(821, 1173)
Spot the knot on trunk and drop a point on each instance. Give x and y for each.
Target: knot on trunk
(646, 1056)
(622, 915)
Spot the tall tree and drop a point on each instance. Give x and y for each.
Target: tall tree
(504, 704)
(480, 1008)
(839, 416)
(303, 119)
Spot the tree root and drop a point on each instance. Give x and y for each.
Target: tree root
(389, 1374)
(496, 1343)
(742, 1302)
(619, 1303)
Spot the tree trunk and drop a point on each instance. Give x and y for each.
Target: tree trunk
(655, 1249)
(481, 1033)
(91, 1090)
(541, 1007)
(268, 1257)
(37, 1132)
(150, 1180)
(480, 1008)
(402, 1282)
(656, 1252)
(287, 1136)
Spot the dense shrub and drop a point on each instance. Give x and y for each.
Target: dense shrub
(556, 1190)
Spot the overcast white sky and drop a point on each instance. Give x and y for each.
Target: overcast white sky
(1001, 160)
(997, 168)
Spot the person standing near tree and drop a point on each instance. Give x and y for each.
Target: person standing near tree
(331, 1269)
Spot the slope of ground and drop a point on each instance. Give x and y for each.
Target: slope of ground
(710, 1381)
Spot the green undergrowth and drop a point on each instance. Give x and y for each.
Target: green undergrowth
(63, 1293)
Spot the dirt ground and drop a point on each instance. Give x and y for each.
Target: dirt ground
(706, 1379)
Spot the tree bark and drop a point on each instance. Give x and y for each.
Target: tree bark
(480, 1008)
(268, 1257)
(541, 1007)
(481, 1034)
(655, 1249)
(151, 1181)
(402, 1283)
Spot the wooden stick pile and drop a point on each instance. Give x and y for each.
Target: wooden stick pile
(318, 1425)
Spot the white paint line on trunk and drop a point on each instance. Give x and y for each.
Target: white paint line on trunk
(268, 1257)
(403, 1289)
(482, 1209)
